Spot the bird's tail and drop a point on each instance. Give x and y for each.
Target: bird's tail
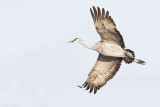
(130, 57)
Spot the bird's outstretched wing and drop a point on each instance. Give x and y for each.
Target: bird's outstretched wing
(104, 69)
(106, 27)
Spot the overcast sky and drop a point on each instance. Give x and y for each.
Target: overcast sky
(39, 69)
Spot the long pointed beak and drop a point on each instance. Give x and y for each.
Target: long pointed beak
(71, 41)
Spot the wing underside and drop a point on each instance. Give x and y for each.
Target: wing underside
(106, 27)
(104, 69)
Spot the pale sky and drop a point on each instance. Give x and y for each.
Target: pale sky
(39, 69)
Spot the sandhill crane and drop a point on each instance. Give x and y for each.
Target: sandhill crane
(111, 51)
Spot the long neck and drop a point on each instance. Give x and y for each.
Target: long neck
(87, 46)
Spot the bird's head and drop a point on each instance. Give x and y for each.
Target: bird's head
(76, 40)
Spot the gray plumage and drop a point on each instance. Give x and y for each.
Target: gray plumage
(111, 51)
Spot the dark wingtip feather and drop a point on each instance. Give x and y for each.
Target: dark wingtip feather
(92, 15)
(99, 13)
(95, 13)
(103, 13)
(93, 6)
(91, 88)
(84, 85)
(95, 89)
(107, 14)
(88, 87)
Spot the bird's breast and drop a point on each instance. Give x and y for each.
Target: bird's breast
(113, 50)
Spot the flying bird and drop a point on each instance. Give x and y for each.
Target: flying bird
(111, 51)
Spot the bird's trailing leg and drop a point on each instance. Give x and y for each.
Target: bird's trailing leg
(138, 61)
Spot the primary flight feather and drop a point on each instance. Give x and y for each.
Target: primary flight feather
(111, 51)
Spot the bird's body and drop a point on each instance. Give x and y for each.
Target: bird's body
(108, 49)
(111, 51)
